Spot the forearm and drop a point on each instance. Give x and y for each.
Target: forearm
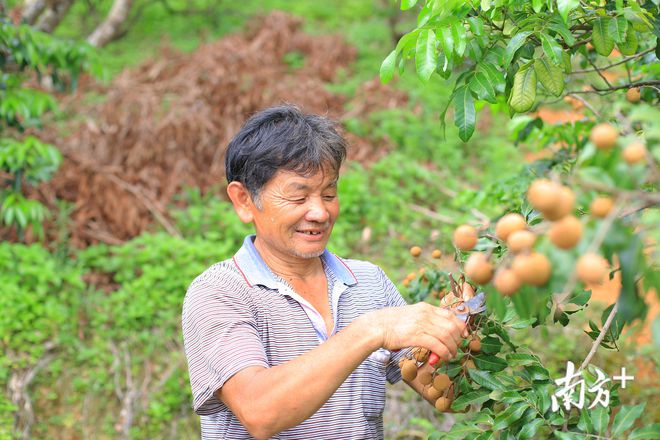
(285, 395)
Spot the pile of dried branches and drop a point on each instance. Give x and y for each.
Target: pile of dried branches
(165, 124)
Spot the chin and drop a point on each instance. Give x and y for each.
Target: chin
(311, 254)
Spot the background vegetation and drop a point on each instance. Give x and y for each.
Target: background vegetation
(91, 331)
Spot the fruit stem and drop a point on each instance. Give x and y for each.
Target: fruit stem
(600, 337)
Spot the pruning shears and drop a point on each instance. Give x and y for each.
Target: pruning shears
(463, 311)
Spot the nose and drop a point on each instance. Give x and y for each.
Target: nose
(317, 211)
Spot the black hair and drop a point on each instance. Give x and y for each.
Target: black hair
(282, 138)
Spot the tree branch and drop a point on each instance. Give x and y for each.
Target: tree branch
(599, 339)
(609, 66)
(111, 28)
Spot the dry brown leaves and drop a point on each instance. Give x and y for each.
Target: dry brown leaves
(165, 124)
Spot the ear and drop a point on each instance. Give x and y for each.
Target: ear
(240, 198)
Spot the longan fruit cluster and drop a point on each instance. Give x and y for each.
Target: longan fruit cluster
(438, 386)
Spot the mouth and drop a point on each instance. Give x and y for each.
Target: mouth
(311, 233)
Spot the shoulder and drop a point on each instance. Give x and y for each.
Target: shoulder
(364, 271)
(221, 279)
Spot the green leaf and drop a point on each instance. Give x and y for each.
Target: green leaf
(625, 418)
(480, 85)
(407, 4)
(629, 45)
(510, 415)
(472, 398)
(523, 92)
(514, 44)
(550, 76)
(584, 423)
(537, 5)
(387, 68)
(447, 42)
(600, 419)
(529, 429)
(560, 27)
(426, 58)
(491, 345)
(565, 7)
(651, 432)
(489, 363)
(460, 37)
(519, 359)
(601, 38)
(495, 77)
(568, 435)
(465, 114)
(617, 28)
(551, 48)
(486, 379)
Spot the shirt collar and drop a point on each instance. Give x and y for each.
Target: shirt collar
(256, 272)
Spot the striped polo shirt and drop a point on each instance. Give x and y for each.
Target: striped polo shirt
(238, 314)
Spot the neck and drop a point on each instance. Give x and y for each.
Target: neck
(289, 267)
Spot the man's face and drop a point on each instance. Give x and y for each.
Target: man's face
(297, 213)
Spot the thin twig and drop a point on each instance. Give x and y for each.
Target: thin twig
(651, 82)
(599, 339)
(609, 66)
(586, 104)
(432, 214)
(599, 72)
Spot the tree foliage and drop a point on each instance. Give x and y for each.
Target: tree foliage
(519, 55)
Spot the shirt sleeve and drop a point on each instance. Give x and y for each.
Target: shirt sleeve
(393, 298)
(220, 339)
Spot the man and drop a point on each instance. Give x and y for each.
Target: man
(286, 340)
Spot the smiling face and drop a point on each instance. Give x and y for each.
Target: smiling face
(296, 214)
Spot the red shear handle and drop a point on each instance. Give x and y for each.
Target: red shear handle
(433, 359)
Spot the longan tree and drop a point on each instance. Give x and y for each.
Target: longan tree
(578, 221)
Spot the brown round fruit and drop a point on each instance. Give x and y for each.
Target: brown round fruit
(601, 206)
(633, 95)
(509, 223)
(436, 253)
(507, 282)
(564, 206)
(478, 268)
(442, 404)
(634, 153)
(415, 251)
(409, 370)
(591, 268)
(543, 194)
(425, 377)
(421, 354)
(441, 382)
(604, 136)
(465, 237)
(468, 363)
(475, 345)
(520, 241)
(431, 393)
(566, 233)
(533, 268)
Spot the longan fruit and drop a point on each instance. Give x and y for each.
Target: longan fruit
(543, 194)
(465, 237)
(564, 206)
(534, 268)
(633, 95)
(409, 370)
(421, 354)
(441, 382)
(604, 136)
(566, 233)
(431, 393)
(478, 268)
(415, 251)
(634, 153)
(507, 282)
(601, 206)
(425, 377)
(475, 345)
(509, 223)
(443, 404)
(591, 268)
(468, 363)
(520, 241)
(436, 253)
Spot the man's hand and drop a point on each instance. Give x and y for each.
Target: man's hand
(419, 325)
